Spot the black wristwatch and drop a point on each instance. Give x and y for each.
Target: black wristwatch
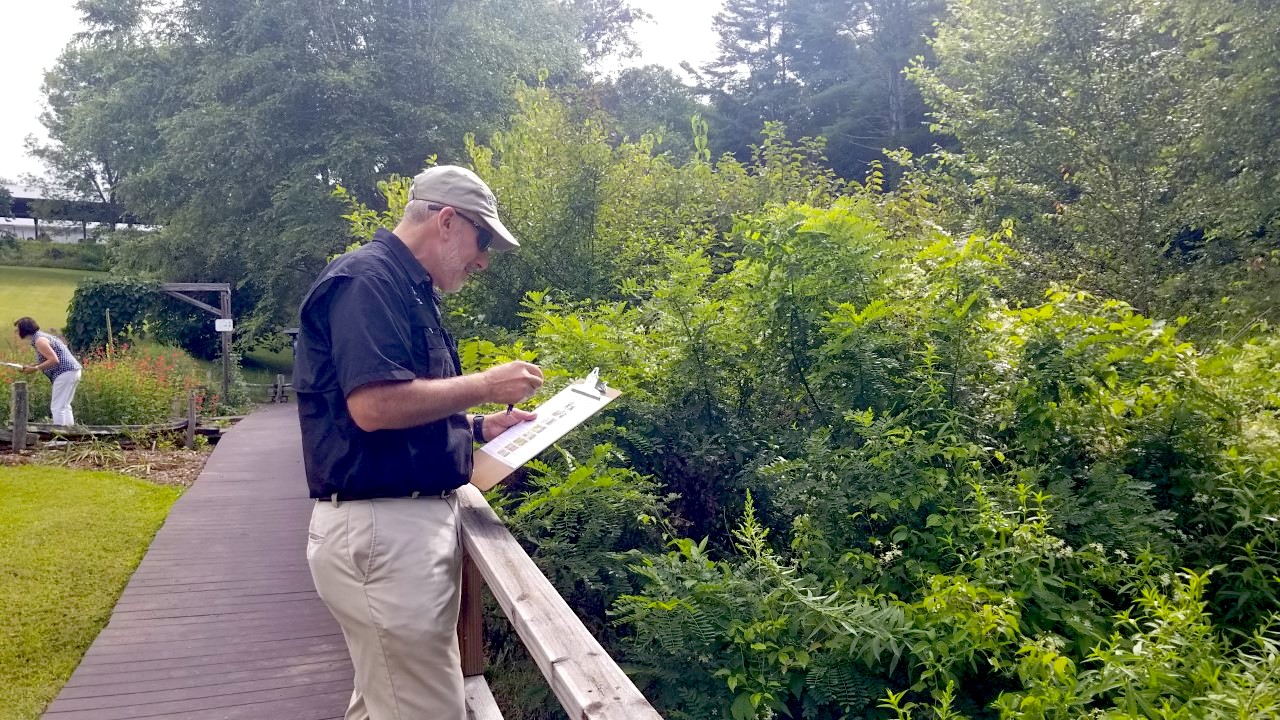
(477, 428)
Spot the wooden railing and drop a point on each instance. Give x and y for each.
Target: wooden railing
(586, 681)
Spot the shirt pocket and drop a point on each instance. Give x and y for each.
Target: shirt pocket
(431, 357)
(439, 358)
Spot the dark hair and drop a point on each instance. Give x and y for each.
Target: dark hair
(26, 327)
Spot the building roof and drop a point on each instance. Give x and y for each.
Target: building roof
(61, 209)
(28, 192)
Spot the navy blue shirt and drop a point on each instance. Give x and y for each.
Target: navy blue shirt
(372, 317)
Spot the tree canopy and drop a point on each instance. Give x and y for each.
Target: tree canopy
(830, 68)
(229, 122)
(1137, 140)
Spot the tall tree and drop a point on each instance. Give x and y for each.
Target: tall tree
(833, 68)
(606, 27)
(872, 105)
(651, 99)
(753, 80)
(230, 122)
(1135, 140)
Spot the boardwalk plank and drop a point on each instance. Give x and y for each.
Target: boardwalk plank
(205, 674)
(221, 620)
(93, 672)
(197, 694)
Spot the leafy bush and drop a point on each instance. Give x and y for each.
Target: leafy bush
(135, 387)
(138, 309)
(957, 503)
(997, 476)
(585, 219)
(128, 301)
(36, 253)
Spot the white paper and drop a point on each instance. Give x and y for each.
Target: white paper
(12, 365)
(566, 410)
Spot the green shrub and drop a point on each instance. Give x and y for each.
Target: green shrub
(999, 475)
(958, 503)
(138, 309)
(39, 253)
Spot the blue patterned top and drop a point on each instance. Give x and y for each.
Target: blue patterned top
(66, 361)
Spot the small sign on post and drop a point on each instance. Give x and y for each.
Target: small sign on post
(224, 325)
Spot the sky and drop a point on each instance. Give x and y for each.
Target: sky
(680, 30)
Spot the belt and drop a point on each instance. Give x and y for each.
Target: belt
(335, 499)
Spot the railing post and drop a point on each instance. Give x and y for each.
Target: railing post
(20, 412)
(280, 396)
(586, 681)
(471, 620)
(192, 420)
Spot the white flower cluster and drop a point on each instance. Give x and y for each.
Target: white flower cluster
(1044, 545)
(893, 553)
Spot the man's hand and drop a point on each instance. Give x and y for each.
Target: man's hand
(511, 383)
(497, 423)
(404, 404)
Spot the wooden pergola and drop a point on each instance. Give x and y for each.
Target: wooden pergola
(222, 312)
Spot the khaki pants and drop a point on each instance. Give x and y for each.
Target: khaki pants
(389, 570)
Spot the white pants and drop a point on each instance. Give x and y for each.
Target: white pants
(64, 390)
(389, 570)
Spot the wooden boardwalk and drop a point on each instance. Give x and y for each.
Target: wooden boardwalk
(221, 619)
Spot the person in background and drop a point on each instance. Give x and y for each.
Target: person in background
(54, 359)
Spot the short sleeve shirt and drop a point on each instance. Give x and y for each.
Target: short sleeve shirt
(372, 317)
(66, 361)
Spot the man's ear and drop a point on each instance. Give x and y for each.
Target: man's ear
(446, 218)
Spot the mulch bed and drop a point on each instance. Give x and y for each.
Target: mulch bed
(163, 467)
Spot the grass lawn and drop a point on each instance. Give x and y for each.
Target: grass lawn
(273, 361)
(41, 293)
(69, 541)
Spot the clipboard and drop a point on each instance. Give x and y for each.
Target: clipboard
(497, 459)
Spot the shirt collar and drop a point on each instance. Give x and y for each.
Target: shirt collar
(417, 274)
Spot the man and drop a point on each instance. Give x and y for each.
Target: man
(381, 400)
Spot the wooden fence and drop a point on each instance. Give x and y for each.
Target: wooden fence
(22, 434)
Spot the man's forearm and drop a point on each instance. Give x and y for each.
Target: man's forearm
(397, 405)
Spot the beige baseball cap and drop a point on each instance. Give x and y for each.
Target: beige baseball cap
(461, 189)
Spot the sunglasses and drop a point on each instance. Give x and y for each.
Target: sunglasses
(484, 238)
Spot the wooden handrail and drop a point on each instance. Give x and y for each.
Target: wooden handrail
(586, 681)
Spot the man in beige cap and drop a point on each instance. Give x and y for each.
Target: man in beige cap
(386, 440)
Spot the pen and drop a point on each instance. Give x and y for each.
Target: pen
(510, 408)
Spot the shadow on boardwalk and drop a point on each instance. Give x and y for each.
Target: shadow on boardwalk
(221, 619)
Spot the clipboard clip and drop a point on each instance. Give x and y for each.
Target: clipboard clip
(593, 382)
